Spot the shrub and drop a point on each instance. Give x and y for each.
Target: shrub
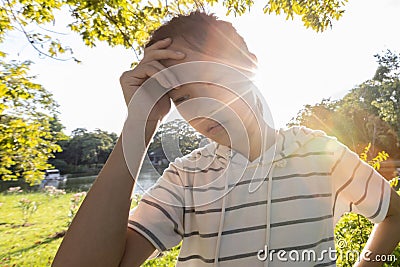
(14, 190)
(28, 207)
(75, 202)
(53, 192)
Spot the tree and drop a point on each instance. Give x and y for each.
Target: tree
(380, 95)
(96, 147)
(369, 113)
(389, 66)
(28, 132)
(173, 135)
(85, 149)
(387, 82)
(351, 124)
(129, 23)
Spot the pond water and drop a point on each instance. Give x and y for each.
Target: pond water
(147, 177)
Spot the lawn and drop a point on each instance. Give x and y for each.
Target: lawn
(34, 242)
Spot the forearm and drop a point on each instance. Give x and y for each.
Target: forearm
(383, 240)
(97, 234)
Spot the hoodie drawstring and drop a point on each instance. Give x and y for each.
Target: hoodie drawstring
(268, 218)
(221, 224)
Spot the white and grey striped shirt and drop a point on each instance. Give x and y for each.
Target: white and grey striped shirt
(210, 200)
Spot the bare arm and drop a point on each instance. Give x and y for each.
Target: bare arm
(98, 235)
(137, 249)
(385, 235)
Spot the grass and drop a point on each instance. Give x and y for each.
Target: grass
(32, 244)
(35, 243)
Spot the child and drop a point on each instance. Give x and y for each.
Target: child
(255, 196)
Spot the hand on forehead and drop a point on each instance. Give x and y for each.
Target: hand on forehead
(228, 69)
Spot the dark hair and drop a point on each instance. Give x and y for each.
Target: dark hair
(198, 29)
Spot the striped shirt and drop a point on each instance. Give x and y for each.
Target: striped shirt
(216, 197)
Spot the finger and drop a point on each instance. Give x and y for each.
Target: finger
(126, 74)
(130, 84)
(133, 77)
(163, 54)
(161, 76)
(140, 72)
(160, 44)
(167, 74)
(145, 70)
(139, 75)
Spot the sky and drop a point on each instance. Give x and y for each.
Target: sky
(297, 66)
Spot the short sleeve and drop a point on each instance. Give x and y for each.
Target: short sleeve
(357, 187)
(159, 214)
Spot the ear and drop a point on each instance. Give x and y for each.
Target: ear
(259, 105)
(253, 58)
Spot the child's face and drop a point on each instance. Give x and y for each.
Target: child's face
(216, 112)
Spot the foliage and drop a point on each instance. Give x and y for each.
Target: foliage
(370, 111)
(56, 129)
(27, 114)
(394, 182)
(315, 14)
(389, 66)
(166, 259)
(375, 162)
(352, 125)
(381, 95)
(84, 149)
(352, 230)
(176, 134)
(351, 233)
(135, 200)
(129, 23)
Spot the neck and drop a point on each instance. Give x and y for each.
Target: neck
(260, 140)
